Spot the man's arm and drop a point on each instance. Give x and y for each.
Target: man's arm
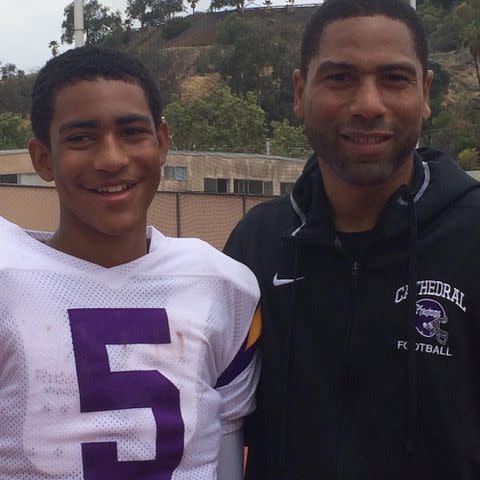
(230, 459)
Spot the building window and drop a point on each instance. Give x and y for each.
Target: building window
(9, 178)
(175, 172)
(268, 188)
(286, 187)
(253, 187)
(216, 185)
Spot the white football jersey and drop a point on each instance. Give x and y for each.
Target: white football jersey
(126, 373)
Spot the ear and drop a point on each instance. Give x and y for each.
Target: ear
(41, 159)
(163, 140)
(427, 83)
(299, 86)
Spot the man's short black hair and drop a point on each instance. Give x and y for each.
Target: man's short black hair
(333, 10)
(86, 63)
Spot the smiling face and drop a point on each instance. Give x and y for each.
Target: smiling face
(364, 99)
(105, 156)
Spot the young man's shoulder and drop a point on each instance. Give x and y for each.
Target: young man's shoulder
(7, 227)
(12, 242)
(192, 257)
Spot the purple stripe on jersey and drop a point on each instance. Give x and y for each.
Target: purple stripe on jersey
(238, 364)
(103, 390)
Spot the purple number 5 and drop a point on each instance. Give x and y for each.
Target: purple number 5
(102, 390)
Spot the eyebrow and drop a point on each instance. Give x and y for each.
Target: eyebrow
(329, 65)
(77, 124)
(131, 118)
(122, 120)
(406, 67)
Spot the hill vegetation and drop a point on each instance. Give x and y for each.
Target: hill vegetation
(226, 76)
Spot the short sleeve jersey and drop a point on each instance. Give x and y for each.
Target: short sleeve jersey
(130, 372)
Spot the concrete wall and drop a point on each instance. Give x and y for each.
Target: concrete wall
(15, 161)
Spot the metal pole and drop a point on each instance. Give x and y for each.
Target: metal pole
(179, 215)
(78, 24)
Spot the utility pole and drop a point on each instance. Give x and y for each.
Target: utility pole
(78, 25)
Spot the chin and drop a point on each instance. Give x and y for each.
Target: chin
(364, 179)
(117, 229)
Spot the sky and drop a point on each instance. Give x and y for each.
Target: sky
(28, 26)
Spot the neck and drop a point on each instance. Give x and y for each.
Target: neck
(101, 249)
(356, 208)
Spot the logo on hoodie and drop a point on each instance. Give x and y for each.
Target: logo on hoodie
(430, 316)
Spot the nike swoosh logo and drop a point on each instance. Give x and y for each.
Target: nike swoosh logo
(284, 281)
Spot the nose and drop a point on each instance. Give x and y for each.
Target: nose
(110, 156)
(368, 102)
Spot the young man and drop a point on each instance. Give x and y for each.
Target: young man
(368, 271)
(125, 354)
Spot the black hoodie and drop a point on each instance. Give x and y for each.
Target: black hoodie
(342, 396)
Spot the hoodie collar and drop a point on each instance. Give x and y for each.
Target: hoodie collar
(438, 181)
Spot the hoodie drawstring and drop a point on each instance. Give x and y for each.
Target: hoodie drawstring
(412, 301)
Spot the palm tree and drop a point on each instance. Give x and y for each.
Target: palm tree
(54, 46)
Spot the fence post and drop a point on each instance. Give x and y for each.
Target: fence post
(179, 216)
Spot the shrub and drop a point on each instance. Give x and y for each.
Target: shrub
(469, 159)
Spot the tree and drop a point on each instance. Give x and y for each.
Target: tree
(137, 10)
(252, 56)
(9, 70)
(471, 35)
(152, 13)
(15, 94)
(244, 61)
(289, 141)
(219, 4)
(221, 121)
(193, 4)
(99, 22)
(438, 89)
(438, 127)
(437, 19)
(447, 4)
(14, 131)
(467, 21)
(54, 46)
(469, 159)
